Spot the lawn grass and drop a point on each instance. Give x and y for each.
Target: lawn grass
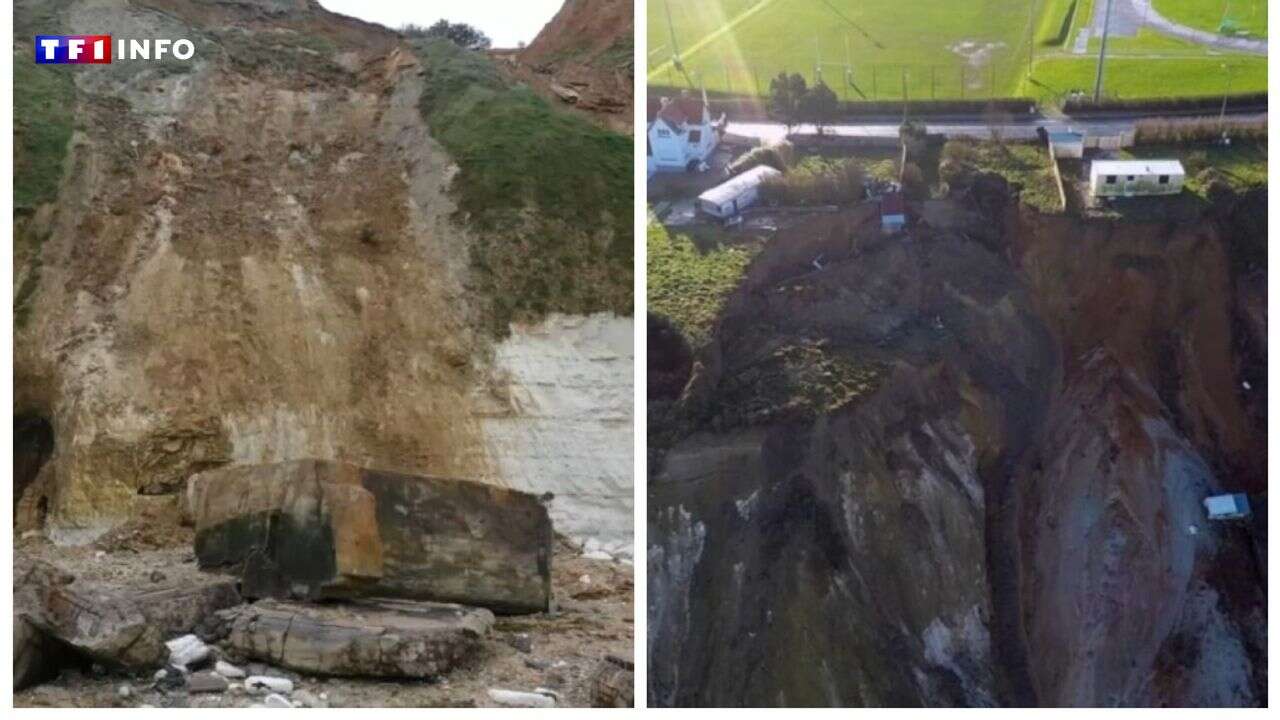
(915, 40)
(1057, 21)
(1249, 16)
(688, 284)
(1128, 78)
(549, 194)
(913, 49)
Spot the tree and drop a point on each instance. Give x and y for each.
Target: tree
(819, 106)
(786, 92)
(460, 34)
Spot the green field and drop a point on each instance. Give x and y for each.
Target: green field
(1248, 16)
(924, 49)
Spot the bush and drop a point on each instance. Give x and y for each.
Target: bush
(817, 182)
(1084, 106)
(913, 182)
(776, 155)
(1157, 132)
(460, 34)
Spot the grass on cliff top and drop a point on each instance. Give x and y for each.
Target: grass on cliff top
(689, 285)
(549, 193)
(43, 96)
(1024, 165)
(1243, 165)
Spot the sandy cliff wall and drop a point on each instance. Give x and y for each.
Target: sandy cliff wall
(254, 257)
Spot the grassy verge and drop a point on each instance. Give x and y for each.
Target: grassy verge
(1056, 21)
(688, 285)
(1148, 78)
(549, 193)
(1248, 16)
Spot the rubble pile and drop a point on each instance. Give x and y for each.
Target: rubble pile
(303, 569)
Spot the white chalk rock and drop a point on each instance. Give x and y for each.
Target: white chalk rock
(276, 700)
(227, 670)
(265, 684)
(186, 651)
(517, 699)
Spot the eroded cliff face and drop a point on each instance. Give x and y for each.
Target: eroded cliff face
(1010, 513)
(253, 257)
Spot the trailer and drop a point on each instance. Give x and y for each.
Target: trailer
(737, 194)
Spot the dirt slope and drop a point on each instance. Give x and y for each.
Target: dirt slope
(1008, 511)
(257, 256)
(585, 50)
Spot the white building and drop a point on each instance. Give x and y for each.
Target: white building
(738, 193)
(683, 135)
(1227, 507)
(1130, 178)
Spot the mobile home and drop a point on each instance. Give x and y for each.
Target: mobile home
(1133, 178)
(1227, 507)
(732, 197)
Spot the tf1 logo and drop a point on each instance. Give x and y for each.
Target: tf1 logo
(96, 49)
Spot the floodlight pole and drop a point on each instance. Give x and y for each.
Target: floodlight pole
(1102, 54)
(1222, 117)
(1031, 39)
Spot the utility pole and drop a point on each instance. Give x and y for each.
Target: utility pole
(1102, 53)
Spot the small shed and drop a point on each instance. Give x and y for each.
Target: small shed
(1227, 507)
(1066, 144)
(736, 194)
(893, 213)
(1134, 178)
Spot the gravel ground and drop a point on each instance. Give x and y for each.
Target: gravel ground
(559, 650)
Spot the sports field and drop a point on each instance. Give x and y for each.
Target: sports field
(924, 49)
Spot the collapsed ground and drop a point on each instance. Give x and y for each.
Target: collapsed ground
(1008, 505)
(293, 246)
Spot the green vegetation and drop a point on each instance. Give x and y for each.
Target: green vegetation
(1129, 78)
(1249, 17)
(549, 193)
(1057, 22)
(1024, 166)
(925, 49)
(798, 380)
(1241, 166)
(778, 156)
(946, 49)
(42, 100)
(689, 285)
(817, 181)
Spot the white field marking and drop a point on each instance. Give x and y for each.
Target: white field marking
(713, 36)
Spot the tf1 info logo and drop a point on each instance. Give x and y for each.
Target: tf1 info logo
(96, 49)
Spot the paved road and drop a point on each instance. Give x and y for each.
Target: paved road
(1162, 24)
(973, 127)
